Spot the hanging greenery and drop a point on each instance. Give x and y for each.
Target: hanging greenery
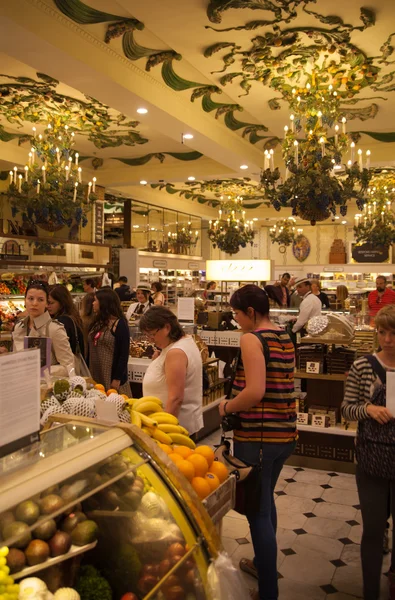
(284, 232)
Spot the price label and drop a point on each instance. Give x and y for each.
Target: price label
(302, 418)
(313, 367)
(320, 421)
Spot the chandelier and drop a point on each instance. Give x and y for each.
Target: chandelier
(184, 237)
(231, 231)
(49, 190)
(316, 181)
(376, 224)
(284, 232)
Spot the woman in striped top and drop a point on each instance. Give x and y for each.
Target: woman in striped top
(374, 492)
(264, 402)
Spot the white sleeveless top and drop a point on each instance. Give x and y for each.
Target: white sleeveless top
(154, 383)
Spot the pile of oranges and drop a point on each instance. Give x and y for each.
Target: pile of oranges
(199, 467)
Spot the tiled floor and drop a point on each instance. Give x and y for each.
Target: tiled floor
(319, 532)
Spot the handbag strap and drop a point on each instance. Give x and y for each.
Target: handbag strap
(377, 367)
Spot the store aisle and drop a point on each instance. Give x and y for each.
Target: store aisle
(319, 532)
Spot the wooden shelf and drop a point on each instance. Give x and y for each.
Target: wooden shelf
(74, 551)
(322, 376)
(213, 404)
(328, 341)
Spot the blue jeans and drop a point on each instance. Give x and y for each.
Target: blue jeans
(263, 524)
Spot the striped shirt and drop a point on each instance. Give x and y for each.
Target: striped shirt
(273, 420)
(360, 386)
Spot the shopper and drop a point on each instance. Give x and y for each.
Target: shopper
(316, 290)
(157, 295)
(89, 285)
(310, 305)
(62, 308)
(279, 291)
(263, 400)
(365, 402)
(87, 317)
(341, 296)
(175, 376)
(207, 294)
(109, 343)
(144, 302)
(38, 324)
(381, 296)
(123, 290)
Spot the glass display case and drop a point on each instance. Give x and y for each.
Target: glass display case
(104, 510)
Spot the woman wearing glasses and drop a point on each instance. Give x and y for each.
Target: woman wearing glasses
(38, 323)
(109, 342)
(175, 376)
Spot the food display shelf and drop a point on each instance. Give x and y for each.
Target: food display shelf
(72, 553)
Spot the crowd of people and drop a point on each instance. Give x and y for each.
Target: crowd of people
(262, 397)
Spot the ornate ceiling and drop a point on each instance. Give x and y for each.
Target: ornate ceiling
(223, 70)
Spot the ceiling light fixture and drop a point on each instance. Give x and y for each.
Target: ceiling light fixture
(143, 182)
(344, 222)
(191, 178)
(255, 219)
(142, 111)
(243, 167)
(187, 136)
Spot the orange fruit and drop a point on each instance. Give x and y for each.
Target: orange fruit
(213, 481)
(201, 487)
(187, 469)
(200, 464)
(124, 396)
(165, 448)
(99, 386)
(207, 452)
(219, 469)
(183, 451)
(111, 391)
(176, 458)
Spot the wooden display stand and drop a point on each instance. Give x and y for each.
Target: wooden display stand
(337, 254)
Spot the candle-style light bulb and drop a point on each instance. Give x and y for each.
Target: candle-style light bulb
(292, 118)
(336, 134)
(19, 183)
(94, 184)
(296, 146)
(352, 145)
(344, 121)
(57, 154)
(26, 172)
(80, 174)
(44, 175)
(76, 158)
(368, 159)
(11, 176)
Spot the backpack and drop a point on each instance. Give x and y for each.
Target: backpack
(375, 444)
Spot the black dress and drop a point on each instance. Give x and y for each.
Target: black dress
(71, 329)
(324, 300)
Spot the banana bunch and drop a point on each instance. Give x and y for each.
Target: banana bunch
(147, 413)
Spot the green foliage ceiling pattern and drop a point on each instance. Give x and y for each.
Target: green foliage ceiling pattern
(39, 101)
(281, 57)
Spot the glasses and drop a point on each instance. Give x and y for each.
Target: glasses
(151, 334)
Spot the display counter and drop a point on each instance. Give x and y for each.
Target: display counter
(104, 509)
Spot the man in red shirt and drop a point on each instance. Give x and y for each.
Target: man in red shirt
(380, 296)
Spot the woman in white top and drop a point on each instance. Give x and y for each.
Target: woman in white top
(157, 295)
(175, 376)
(144, 301)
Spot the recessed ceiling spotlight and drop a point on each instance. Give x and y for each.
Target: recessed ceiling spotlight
(344, 222)
(243, 166)
(337, 217)
(142, 111)
(187, 136)
(191, 178)
(136, 226)
(143, 182)
(255, 219)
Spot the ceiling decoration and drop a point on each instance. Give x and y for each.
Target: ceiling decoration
(284, 232)
(40, 101)
(213, 192)
(231, 231)
(138, 161)
(283, 12)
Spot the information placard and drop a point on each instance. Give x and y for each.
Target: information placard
(186, 310)
(19, 400)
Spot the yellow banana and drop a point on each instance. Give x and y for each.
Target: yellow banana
(164, 417)
(131, 402)
(146, 407)
(182, 440)
(135, 418)
(170, 428)
(147, 421)
(147, 430)
(161, 436)
(147, 399)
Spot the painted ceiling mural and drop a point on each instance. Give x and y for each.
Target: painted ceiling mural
(282, 55)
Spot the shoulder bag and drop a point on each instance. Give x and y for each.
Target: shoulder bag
(248, 476)
(375, 443)
(81, 368)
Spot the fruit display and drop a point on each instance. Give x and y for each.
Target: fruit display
(8, 588)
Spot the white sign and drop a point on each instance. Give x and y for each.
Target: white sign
(186, 309)
(106, 411)
(19, 399)
(239, 270)
(160, 264)
(302, 418)
(320, 421)
(390, 392)
(313, 367)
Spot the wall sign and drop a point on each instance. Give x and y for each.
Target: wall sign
(301, 248)
(366, 253)
(194, 266)
(313, 367)
(160, 264)
(239, 270)
(99, 223)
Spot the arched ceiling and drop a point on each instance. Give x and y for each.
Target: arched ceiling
(219, 69)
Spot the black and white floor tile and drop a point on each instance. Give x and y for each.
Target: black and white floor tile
(319, 533)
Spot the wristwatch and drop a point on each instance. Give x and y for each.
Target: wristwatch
(225, 411)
